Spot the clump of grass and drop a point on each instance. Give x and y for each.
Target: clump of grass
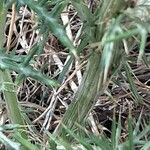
(136, 138)
(108, 33)
(110, 27)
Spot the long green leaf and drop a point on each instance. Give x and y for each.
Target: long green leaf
(9, 143)
(25, 143)
(138, 98)
(28, 71)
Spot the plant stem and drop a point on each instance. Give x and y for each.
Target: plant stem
(9, 90)
(85, 96)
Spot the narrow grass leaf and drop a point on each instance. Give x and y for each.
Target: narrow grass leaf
(28, 71)
(78, 139)
(133, 89)
(57, 9)
(83, 11)
(144, 132)
(113, 132)
(42, 2)
(66, 67)
(130, 131)
(101, 142)
(52, 143)
(56, 142)
(145, 60)
(65, 70)
(118, 132)
(25, 143)
(146, 146)
(123, 35)
(143, 33)
(10, 127)
(9, 143)
(137, 126)
(67, 145)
